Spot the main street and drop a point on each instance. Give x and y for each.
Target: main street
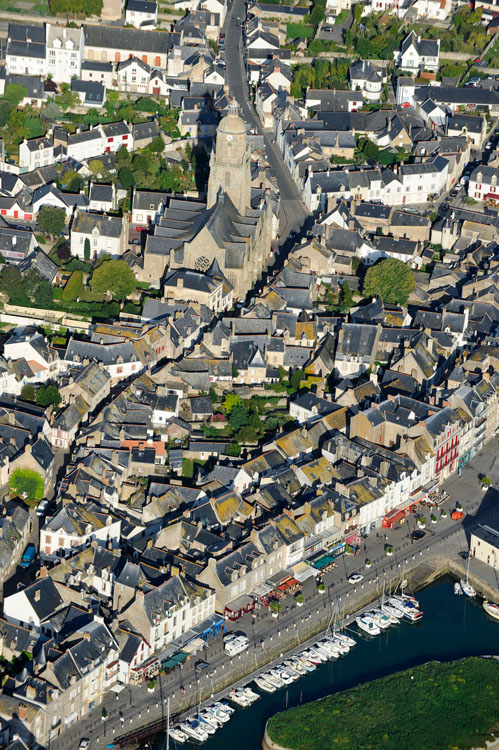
(293, 210)
(136, 706)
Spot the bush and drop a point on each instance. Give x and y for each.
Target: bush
(299, 598)
(233, 449)
(390, 279)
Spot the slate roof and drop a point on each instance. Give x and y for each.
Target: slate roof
(113, 37)
(107, 226)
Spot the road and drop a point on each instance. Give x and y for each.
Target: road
(292, 209)
(136, 706)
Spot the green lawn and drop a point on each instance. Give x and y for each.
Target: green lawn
(295, 30)
(439, 706)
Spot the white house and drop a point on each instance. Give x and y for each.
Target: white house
(418, 54)
(334, 8)
(85, 145)
(26, 50)
(367, 78)
(35, 153)
(74, 527)
(115, 135)
(32, 606)
(483, 184)
(94, 70)
(105, 235)
(148, 206)
(142, 13)
(64, 52)
(34, 348)
(133, 75)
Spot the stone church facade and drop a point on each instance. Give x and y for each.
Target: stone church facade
(192, 234)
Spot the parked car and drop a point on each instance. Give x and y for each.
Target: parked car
(355, 578)
(141, 229)
(464, 554)
(28, 556)
(84, 743)
(418, 534)
(457, 515)
(201, 665)
(42, 507)
(453, 193)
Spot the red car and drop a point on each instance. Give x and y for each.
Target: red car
(141, 229)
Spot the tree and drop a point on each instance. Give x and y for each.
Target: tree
(28, 393)
(231, 400)
(296, 378)
(238, 417)
(390, 279)
(96, 166)
(114, 277)
(346, 297)
(51, 220)
(233, 449)
(15, 93)
(122, 156)
(125, 176)
(5, 110)
(86, 249)
(11, 281)
(157, 145)
(48, 396)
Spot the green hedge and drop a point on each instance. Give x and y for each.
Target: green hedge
(74, 287)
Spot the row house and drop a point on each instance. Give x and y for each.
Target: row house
(75, 526)
(45, 51)
(168, 611)
(35, 153)
(483, 184)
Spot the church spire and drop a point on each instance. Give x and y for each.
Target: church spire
(230, 161)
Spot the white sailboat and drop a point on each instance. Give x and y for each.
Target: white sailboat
(466, 586)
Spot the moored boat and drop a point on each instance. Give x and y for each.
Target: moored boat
(264, 684)
(467, 588)
(194, 730)
(367, 625)
(492, 609)
(177, 735)
(381, 620)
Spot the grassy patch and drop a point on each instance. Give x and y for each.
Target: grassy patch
(27, 482)
(437, 706)
(188, 467)
(295, 30)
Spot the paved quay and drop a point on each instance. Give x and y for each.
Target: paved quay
(270, 637)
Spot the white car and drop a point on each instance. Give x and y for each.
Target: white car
(355, 578)
(84, 743)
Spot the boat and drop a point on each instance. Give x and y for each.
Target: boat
(223, 706)
(309, 666)
(239, 698)
(207, 715)
(193, 729)
(221, 715)
(330, 648)
(388, 609)
(207, 722)
(367, 624)
(295, 665)
(325, 652)
(390, 617)
(340, 644)
(405, 598)
(413, 615)
(351, 642)
(264, 684)
(274, 679)
(458, 588)
(380, 619)
(492, 609)
(251, 695)
(177, 735)
(467, 588)
(284, 675)
(290, 671)
(314, 654)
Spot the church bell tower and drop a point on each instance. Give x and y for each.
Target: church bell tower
(230, 162)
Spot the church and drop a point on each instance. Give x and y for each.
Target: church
(226, 228)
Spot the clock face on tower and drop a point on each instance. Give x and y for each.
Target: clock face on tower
(229, 137)
(202, 263)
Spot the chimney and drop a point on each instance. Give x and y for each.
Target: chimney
(114, 458)
(22, 713)
(44, 571)
(86, 635)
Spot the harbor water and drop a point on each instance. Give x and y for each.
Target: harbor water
(452, 627)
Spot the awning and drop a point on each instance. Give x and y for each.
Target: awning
(240, 603)
(194, 645)
(289, 584)
(492, 196)
(174, 660)
(264, 589)
(280, 577)
(352, 538)
(117, 688)
(303, 570)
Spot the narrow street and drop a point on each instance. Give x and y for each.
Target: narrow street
(292, 209)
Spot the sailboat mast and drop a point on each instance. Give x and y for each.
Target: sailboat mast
(168, 724)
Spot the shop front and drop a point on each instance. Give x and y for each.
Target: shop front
(239, 607)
